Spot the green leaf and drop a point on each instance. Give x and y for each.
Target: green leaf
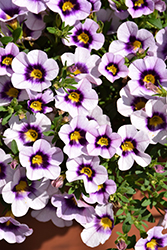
(120, 211)
(155, 22)
(48, 133)
(6, 39)
(146, 202)
(124, 199)
(3, 109)
(70, 87)
(126, 227)
(51, 30)
(17, 33)
(6, 119)
(14, 147)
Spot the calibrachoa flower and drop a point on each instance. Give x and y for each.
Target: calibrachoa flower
(112, 66)
(139, 7)
(83, 65)
(153, 121)
(69, 208)
(33, 70)
(28, 130)
(23, 196)
(73, 135)
(6, 57)
(6, 173)
(9, 11)
(70, 10)
(102, 141)
(102, 193)
(121, 13)
(143, 71)
(130, 40)
(161, 39)
(13, 231)
(38, 101)
(8, 92)
(41, 160)
(97, 115)
(96, 4)
(154, 240)
(100, 228)
(132, 148)
(31, 5)
(49, 212)
(84, 35)
(79, 101)
(88, 169)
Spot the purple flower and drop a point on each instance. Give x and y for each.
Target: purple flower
(102, 141)
(112, 66)
(12, 231)
(79, 101)
(154, 240)
(137, 8)
(33, 70)
(84, 35)
(41, 160)
(34, 6)
(70, 10)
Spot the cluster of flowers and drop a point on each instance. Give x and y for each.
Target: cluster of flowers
(33, 171)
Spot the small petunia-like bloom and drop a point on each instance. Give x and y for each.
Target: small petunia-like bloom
(88, 169)
(41, 160)
(100, 228)
(8, 92)
(120, 12)
(84, 35)
(128, 103)
(113, 67)
(70, 10)
(9, 11)
(22, 195)
(132, 148)
(83, 65)
(144, 71)
(73, 135)
(38, 101)
(79, 101)
(130, 40)
(102, 193)
(102, 141)
(69, 208)
(26, 131)
(153, 121)
(31, 5)
(6, 57)
(96, 5)
(13, 231)
(154, 240)
(6, 173)
(161, 39)
(49, 212)
(97, 115)
(33, 70)
(137, 8)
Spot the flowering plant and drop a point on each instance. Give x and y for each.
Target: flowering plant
(83, 118)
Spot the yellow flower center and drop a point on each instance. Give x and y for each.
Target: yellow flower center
(22, 186)
(103, 141)
(112, 69)
(106, 222)
(136, 44)
(37, 159)
(75, 136)
(9, 214)
(7, 60)
(139, 3)
(12, 92)
(152, 244)
(31, 135)
(74, 97)
(67, 6)
(87, 171)
(127, 146)
(139, 105)
(76, 72)
(155, 120)
(36, 105)
(83, 37)
(100, 187)
(36, 73)
(149, 78)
